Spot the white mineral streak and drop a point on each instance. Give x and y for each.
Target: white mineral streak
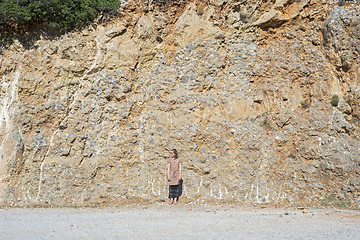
(7, 101)
(76, 95)
(232, 104)
(7, 111)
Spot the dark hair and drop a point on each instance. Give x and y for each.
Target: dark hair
(175, 152)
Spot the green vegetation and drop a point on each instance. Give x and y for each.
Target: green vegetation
(331, 201)
(291, 155)
(6, 40)
(304, 104)
(335, 100)
(266, 124)
(355, 120)
(56, 13)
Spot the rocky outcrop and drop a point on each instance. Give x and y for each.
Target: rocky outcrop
(92, 115)
(341, 46)
(281, 12)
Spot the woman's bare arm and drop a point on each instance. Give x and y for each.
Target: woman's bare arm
(168, 173)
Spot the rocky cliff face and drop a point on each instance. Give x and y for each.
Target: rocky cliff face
(243, 89)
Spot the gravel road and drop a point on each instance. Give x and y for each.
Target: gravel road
(161, 221)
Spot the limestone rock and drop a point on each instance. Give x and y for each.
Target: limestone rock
(115, 31)
(270, 19)
(91, 116)
(344, 107)
(218, 3)
(338, 47)
(144, 27)
(190, 26)
(274, 17)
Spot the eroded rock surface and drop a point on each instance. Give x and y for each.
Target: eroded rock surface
(92, 115)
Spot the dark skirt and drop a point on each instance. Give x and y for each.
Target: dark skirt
(175, 191)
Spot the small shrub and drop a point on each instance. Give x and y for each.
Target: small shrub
(200, 12)
(6, 40)
(331, 201)
(304, 104)
(335, 100)
(243, 17)
(58, 14)
(355, 120)
(266, 124)
(291, 155)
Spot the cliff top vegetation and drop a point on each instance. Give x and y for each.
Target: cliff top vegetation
(63, 14)
(56, 14)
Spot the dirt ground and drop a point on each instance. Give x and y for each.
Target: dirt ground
(162, 221)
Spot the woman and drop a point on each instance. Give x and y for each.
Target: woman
(174, 177)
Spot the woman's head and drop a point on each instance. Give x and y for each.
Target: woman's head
(174, 151)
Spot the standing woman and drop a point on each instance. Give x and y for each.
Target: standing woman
(174, 177)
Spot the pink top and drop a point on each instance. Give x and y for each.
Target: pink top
(174, 170)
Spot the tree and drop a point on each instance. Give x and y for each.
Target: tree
(56, 13)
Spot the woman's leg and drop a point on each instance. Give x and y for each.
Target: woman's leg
(171, 194)
(176, 193)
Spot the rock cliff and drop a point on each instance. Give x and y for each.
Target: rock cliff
(261, 98)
